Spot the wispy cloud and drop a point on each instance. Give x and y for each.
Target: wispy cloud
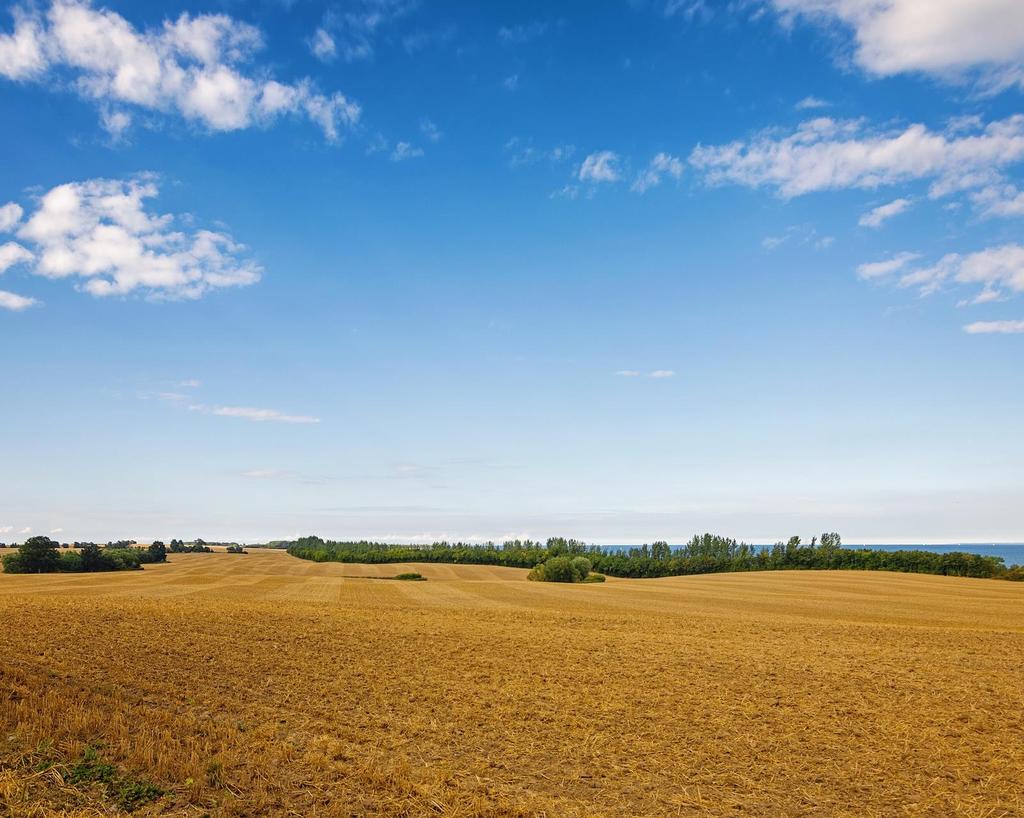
(522, 153)
(877, 216)
(268, 474)
(600, 167)
(661, 166)
(826, 154)
(430, 130)
(252, 414)
(1000, 327)
(405, 150)
(878, 269)
(654, 373)
(524, 33)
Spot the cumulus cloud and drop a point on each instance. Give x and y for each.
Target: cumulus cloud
(100, 233)
(879, 269)
(195, 67)
(949, 39)
(252, 414)
(10, 215)
(661, 373)
(14, 302)
(879, 215)
(661, 165)
(1001, 327)
(628, 373)
(602, 166)
(12, 253)
(1000, 199)
(826, 154)
(811, 103)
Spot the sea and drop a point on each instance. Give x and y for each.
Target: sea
(1012, 552)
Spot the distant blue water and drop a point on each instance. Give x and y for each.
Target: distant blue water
(1012, 553)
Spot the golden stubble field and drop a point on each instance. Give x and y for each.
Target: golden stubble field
(261, 685)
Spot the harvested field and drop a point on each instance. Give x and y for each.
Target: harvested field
(252, 685)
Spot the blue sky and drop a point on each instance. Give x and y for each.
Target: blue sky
(621, 271)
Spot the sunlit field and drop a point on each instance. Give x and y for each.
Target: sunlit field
(260, 684)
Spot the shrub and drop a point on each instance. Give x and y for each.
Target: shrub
(412, 577)
(580, 568)
(594, 578)
(12, 564)
(70, 562)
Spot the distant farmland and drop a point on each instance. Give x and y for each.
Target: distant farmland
(266, 685)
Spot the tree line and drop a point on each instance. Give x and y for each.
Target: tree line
(703, 554)
(41, 555)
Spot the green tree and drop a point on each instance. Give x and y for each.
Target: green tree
(158, 551)
(38, 555)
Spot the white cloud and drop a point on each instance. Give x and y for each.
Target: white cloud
(800, 234)
(662, 373)
(101, 233)
(661, 165)
(949, 39)
(519, 34)
(511, 82)
(1003, 327)
(628, 373)
(430, 130)
(602, 166)
(522, 152)
(190, 383)
(1001, 199)
(12, 253)
(252, 414)
(403, 151)
(10, 215)
(878, 269)
(811, 103)
(6, 529)
(825, 154)
(192, 66)
(323, 46)
(353, 32)
(14, 302)
(998, 270)
(267, 474)
(565, 192)
(26, 530)
(56, 530)
(115, 123)
(877, 216)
